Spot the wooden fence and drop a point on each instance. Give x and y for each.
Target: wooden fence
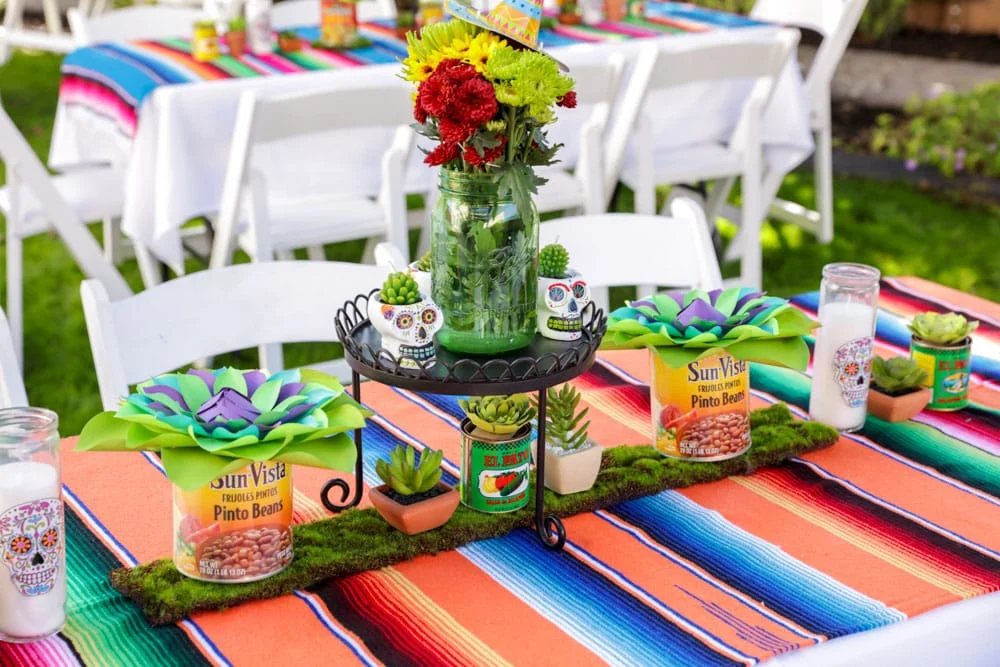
(964, 16)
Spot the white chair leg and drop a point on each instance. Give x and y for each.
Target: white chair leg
(11, 22)
(751, 270)
(52, 19)
(149, 266)
(368, 255)
(272, 357)
(284, 255)
(15, 293)
(316, 253)
(823, 171)
(114, 249)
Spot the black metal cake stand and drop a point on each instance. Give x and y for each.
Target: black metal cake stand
(542, 364)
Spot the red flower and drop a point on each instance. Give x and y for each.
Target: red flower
(442, 154)
(568, 100)
(476, 101)
(489, 155)
(436, 94)
(456, 70)
(454, 132)
(419, 114)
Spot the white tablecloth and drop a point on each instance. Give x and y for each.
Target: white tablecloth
(176, 162)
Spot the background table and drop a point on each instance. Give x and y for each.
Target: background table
(168, 119)
(885, 525)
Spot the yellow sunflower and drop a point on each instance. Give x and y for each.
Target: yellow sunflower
(481, 48)
(419, 69)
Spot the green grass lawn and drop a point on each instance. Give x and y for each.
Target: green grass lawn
(891, 226)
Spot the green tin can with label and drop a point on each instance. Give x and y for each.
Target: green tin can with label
(948, 368)
(495, 469)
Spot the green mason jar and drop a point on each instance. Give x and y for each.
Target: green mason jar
(484, 266)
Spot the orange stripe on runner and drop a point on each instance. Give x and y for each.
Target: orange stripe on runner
(818, 548)
(204, 71)
(960, 299)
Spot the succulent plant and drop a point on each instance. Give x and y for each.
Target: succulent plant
(400, 289)
(949, 329)
(553, 260)
(562, 421)
(238, 24)
(424, 263)
(405, 475)
(289, 35)
(499, 414)
(897, 375)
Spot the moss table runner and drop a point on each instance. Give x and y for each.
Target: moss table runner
(882, 526)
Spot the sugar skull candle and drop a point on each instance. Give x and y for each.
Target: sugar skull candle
(32, 536)
(407, 330)
(560, 305)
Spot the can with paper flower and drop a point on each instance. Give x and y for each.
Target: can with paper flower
(228, 440)
(701, 344)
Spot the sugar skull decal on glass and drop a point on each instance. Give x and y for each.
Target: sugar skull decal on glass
(407, 331)
(31, 544)
(560, 305)
(852, 364)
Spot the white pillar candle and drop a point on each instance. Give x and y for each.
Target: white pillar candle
(33, 576)
(842, 365)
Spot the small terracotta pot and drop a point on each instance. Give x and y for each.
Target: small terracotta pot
(289, 45)
(615, 10)
(418, 517)
(570, 473)
(570, 19)
(897, 408)
(237, 43)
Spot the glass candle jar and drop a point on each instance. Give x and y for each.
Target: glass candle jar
(842, 359)
(32, 538)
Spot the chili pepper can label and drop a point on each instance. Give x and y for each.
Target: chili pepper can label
(495, 469)
(238, 527)
(701, 411)
(948, 371)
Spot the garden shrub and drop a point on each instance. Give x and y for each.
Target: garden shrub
(955, 132)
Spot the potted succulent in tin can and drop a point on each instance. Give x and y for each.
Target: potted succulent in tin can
(897, 391)
(568, 13)
(562, 295)
(289, 41)
(413, 499)
(236, 37)
(496, 452)
(942, 346)
(572, 459)
(405, 22)
(407, 320)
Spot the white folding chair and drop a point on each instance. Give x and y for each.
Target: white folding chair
(665, 67)
(596, 84)
(835, 20)
(614, 249)
(210, 312)
(12, 394)
(132, 23)
(356, 204)
(299, 13)
(13, 33)
(34, 202)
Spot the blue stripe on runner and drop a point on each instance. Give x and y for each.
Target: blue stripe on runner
(637, 635)
(754, 566)
(678, 10)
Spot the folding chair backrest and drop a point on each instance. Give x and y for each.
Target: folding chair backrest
(607, 250)
(24, 169)
(12, 394)
(132, 23)
(210, 312)
(835, 20)
(303, 13)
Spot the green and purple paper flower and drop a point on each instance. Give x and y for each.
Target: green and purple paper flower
(683, 327)
(208, 423)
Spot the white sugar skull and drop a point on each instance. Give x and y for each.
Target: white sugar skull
(852, 364)
(407, 331)
(31, 544)
(560, 304)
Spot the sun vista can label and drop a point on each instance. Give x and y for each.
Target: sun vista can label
(495, 469)
(238, 527)
(701, 411)
(947, 370)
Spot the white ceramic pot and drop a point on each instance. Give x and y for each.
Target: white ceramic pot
(407, 331)
(560, 305)
(423, 278)
(572, 472)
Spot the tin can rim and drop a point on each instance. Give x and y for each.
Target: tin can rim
(961, 345)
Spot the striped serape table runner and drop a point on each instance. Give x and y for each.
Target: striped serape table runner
(886, 524)
(113, 79)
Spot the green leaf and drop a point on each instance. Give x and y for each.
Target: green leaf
(104, 432)
(194, 390)
(255, 450)
(787, 352)
(263, 399)
(230, 377)
(141, 438)
(191, 468)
